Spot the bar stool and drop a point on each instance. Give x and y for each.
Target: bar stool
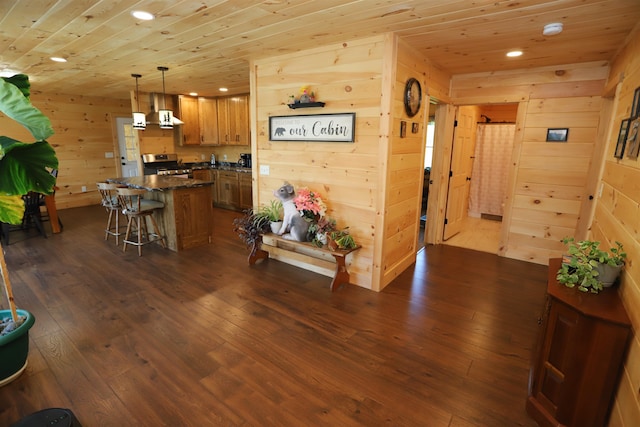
(137, 209)
(112, 205)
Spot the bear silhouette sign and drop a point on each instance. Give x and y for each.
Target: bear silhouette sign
(313, 128)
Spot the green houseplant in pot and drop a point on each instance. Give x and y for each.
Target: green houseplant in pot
(271, 213)
(589, 268)
(23, 168)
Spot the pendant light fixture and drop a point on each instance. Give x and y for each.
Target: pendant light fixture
(166, 115)
(139, 121)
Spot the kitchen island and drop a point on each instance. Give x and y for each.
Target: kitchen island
(187, 217)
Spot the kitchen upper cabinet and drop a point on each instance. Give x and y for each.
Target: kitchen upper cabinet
(214, 121)
(188, 112)
(208, 120)
(233, 120)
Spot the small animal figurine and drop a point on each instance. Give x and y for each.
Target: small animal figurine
(294, 226)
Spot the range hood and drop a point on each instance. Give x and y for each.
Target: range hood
(155, 100)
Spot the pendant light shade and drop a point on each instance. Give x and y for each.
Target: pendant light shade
(166, 115)
(139, 121)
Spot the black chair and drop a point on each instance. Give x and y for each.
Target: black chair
(32, 213)
(32, 216)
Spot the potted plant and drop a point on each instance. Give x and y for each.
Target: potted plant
(590, 268)
(250, 227)
(319, 230)
(23, 168)
(341, 239)
(272, 213)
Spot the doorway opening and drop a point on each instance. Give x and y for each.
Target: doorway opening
(128, 148)
(480, 152)
(428, 161)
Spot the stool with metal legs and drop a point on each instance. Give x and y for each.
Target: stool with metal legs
(112, 205)
(138, 209)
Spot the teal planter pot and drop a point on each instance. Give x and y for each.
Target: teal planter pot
(14, 348)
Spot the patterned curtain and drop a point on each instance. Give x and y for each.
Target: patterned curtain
(489, 176)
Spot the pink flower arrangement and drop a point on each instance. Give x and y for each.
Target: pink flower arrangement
(309, 202)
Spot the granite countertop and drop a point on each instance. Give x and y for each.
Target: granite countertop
(222, 166)
(159, 182)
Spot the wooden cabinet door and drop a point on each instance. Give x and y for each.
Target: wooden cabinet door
(239, 120)
(233, 120)
(246, 196)
(223, 121)
(214, 187)
(577, 366)
(188, 113)
(208, 119)
(193, 216)
(228, 189)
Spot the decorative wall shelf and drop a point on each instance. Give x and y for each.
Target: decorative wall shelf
(306, 105)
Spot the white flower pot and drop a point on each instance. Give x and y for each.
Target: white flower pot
(275, 226)
(608, 274)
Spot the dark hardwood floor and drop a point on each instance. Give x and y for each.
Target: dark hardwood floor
(199, 338)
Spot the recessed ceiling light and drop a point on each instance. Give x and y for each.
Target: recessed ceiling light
(552, 29)
(8, 72)
(223, 89)
(58, 59)
(514, 53)
(193, 93)
(141, 14)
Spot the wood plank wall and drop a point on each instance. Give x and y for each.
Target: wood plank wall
(617, 217)
(348, 78)
(372, 185)
(549, 182)
(84, 132)
(403, 182)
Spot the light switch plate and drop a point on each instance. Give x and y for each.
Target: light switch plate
(264, 169)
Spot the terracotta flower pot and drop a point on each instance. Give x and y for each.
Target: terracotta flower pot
(14, 348)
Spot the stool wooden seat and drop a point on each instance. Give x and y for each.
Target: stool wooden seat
(137, 209)
(112, 205)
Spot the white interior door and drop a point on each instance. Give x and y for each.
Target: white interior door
(129, 147)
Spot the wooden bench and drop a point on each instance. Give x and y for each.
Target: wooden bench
(303, 251)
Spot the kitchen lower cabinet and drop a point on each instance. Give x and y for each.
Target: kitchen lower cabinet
(208, 175)
(187, 217)
(246, 196)
(579, 355)
(228, 189)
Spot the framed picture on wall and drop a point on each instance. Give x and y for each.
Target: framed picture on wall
(633, 144)
(635, 107)
(557, 134)
(622, 138)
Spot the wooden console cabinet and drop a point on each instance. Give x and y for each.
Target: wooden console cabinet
(578, 357)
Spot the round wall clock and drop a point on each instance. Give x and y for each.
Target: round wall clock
(412, 97)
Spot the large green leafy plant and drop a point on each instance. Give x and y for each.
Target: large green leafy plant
(24, 167)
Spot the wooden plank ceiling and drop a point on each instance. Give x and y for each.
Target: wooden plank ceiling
(208, 43)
